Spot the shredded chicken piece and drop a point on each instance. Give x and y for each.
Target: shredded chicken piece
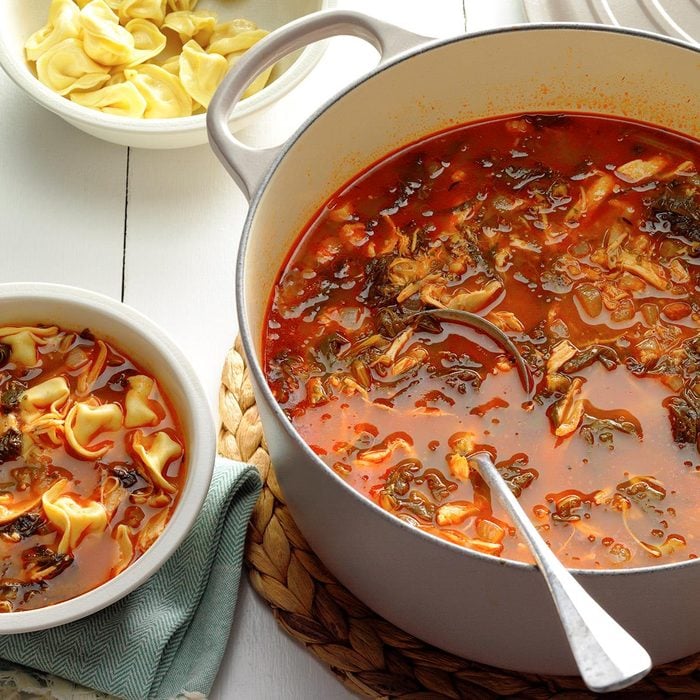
(612, 295)
(455, 513)
(475, 301)
(599, 191)
(527, 246)
(415, 356)
(413, 287)
(315, 392)
(8, 421)
(383, 452)
(353, 234)
(458, 465)
(347, 385)
(609, 256)
(397, 344)
(640, 170)
(641, 266)
(506, 321)
(502, 256)
(432, 294)
(403, 271)
(562, 352)
(686, 169)
(591, 198)
(568, 412)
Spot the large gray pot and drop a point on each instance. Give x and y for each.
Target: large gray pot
(490, 610)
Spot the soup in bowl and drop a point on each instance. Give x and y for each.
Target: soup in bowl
(106, 452)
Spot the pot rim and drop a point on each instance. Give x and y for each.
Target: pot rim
(244, 327)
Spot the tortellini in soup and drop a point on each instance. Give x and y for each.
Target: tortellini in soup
(152, 59)
(92, 462)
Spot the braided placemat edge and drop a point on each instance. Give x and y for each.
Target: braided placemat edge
(372, 657)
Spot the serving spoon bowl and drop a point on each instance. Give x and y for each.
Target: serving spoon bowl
(479, 323)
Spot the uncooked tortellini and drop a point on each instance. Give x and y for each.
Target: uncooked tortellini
(104, 38)
(201, 72)
(150, 59)
(66, 67)
(148, 40)
(153, 10)
(64, 23)
(175, 5)
(237, 35)
(164, 94)
(191, 25)
(122, 99)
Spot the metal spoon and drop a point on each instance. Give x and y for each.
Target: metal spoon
(492, 331)
(608, 658)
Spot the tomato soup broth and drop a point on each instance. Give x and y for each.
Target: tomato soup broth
(92, 461)
(579, 237)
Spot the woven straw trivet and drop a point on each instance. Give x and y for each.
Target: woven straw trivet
(368, 654)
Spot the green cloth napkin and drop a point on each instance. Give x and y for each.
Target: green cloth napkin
(168, 636)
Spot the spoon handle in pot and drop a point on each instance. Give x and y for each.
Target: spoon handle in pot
(607, 657)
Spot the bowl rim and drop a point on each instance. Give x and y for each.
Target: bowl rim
(18, 71)
(200, 463)
(244, 325)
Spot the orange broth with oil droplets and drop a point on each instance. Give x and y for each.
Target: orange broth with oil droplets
(579, 236)
(127, 505)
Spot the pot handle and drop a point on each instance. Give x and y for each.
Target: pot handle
(246, 165)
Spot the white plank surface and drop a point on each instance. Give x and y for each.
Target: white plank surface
(169, 250)
(61, 199)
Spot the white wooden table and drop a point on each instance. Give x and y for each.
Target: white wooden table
(159, 230)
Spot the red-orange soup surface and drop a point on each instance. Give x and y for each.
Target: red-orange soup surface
(577, 235)
(92, 460)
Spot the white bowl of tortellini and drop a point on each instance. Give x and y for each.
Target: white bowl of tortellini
(141, 72)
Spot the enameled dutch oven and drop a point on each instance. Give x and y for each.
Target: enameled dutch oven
(474, 605)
